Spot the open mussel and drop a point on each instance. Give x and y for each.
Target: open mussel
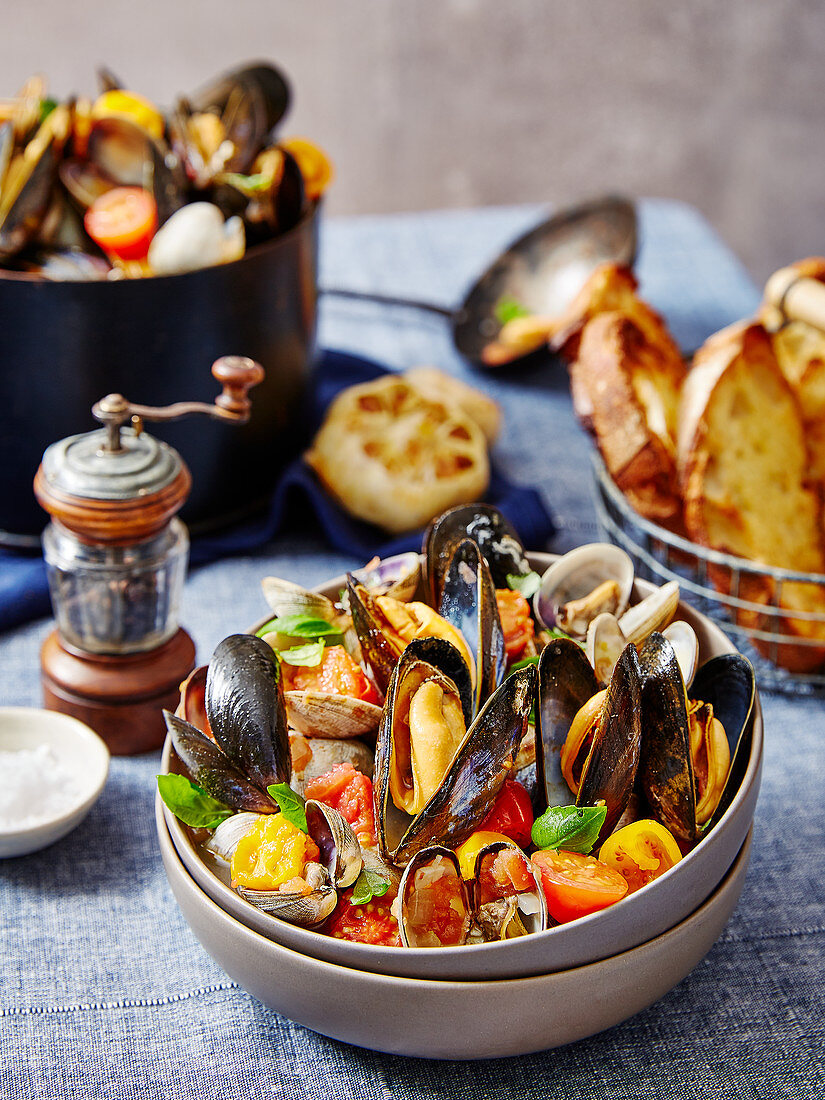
(687, 751)
(508, 899)
(212, 770)
(385, 626)
(434, 903)
(468, 601)
(454, 797)
(486, 526)
(28, 183)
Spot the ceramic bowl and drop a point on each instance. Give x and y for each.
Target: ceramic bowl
(638, 918)
(77, 748)
(445, 1019)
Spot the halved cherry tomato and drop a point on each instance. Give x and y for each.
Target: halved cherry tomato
(511, 813)
(315, 165)
(370, 923)
(576, 885)
(337, 674)
(123, 221)
(640, 852)
(516, 621)
(350, 793)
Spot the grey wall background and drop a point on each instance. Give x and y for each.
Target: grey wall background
(437, 103)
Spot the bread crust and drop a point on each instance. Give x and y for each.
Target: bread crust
(632, 397)
(743, 465)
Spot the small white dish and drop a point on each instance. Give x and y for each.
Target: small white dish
(77, 748)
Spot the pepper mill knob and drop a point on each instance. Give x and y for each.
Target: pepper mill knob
(237, 375)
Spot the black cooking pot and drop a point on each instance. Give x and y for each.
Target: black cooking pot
(65, 345)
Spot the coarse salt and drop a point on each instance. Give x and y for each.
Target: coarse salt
(35, 786)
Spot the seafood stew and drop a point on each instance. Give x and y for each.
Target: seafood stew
(113, 187)
(465, 805)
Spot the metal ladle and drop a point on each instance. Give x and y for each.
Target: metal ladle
(541, 271)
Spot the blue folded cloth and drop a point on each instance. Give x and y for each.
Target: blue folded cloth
(24, 593)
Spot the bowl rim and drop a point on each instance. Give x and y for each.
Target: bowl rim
(31, 278)
(696, 915)
(88, 747)
(582, 924)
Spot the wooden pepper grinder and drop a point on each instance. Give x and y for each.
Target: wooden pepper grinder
(116, 561)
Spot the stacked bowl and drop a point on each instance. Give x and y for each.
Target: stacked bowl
(547, 989)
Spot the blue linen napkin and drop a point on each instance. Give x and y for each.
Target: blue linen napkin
(24, 592)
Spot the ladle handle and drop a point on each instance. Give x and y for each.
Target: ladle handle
(796, 297)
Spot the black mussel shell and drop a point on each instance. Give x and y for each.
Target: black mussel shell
(210, 768)
(252, 101)
(565, 682)
(444, 656)
(487, 527)
(610, 769)
(246, 711)
(474, 778)
(376, 648)
(461, 895)
(468, 601)
(727, 682)
(666, 767)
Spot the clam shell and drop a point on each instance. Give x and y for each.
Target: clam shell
(397, 576)
(322, 714)
(652, 613)
(682, 637)
(338, 845)
(224, 840)
(286, 598)
(326, 754)
(307, 910)
(605, 642)
(578, 573)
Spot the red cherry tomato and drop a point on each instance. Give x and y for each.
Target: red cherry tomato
(516, 621)
(337, 674)
(350, 793)
(511, 814)
(123, 221)
(576, 885)
(370, 923)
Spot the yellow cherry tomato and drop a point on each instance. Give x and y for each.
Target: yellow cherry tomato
(315, 165)
(640, 852)
(136, 108)
(273, 852)
(468, 851)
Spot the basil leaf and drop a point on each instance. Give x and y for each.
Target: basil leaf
(574, 828)
(46, 108)
(524, 662)
(526, 583)
(190, 803)
(368, 885)
(301, 626)
(290, 804)
(508, 308)
(258, 182)
(309, 655)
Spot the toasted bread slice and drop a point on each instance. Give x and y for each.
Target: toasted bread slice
(743, 463)
(800, 351)
(631, 392)
(611, 288)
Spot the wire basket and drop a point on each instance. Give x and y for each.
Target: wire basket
(659, 555)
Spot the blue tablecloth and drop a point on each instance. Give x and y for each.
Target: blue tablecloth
(104, 992)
